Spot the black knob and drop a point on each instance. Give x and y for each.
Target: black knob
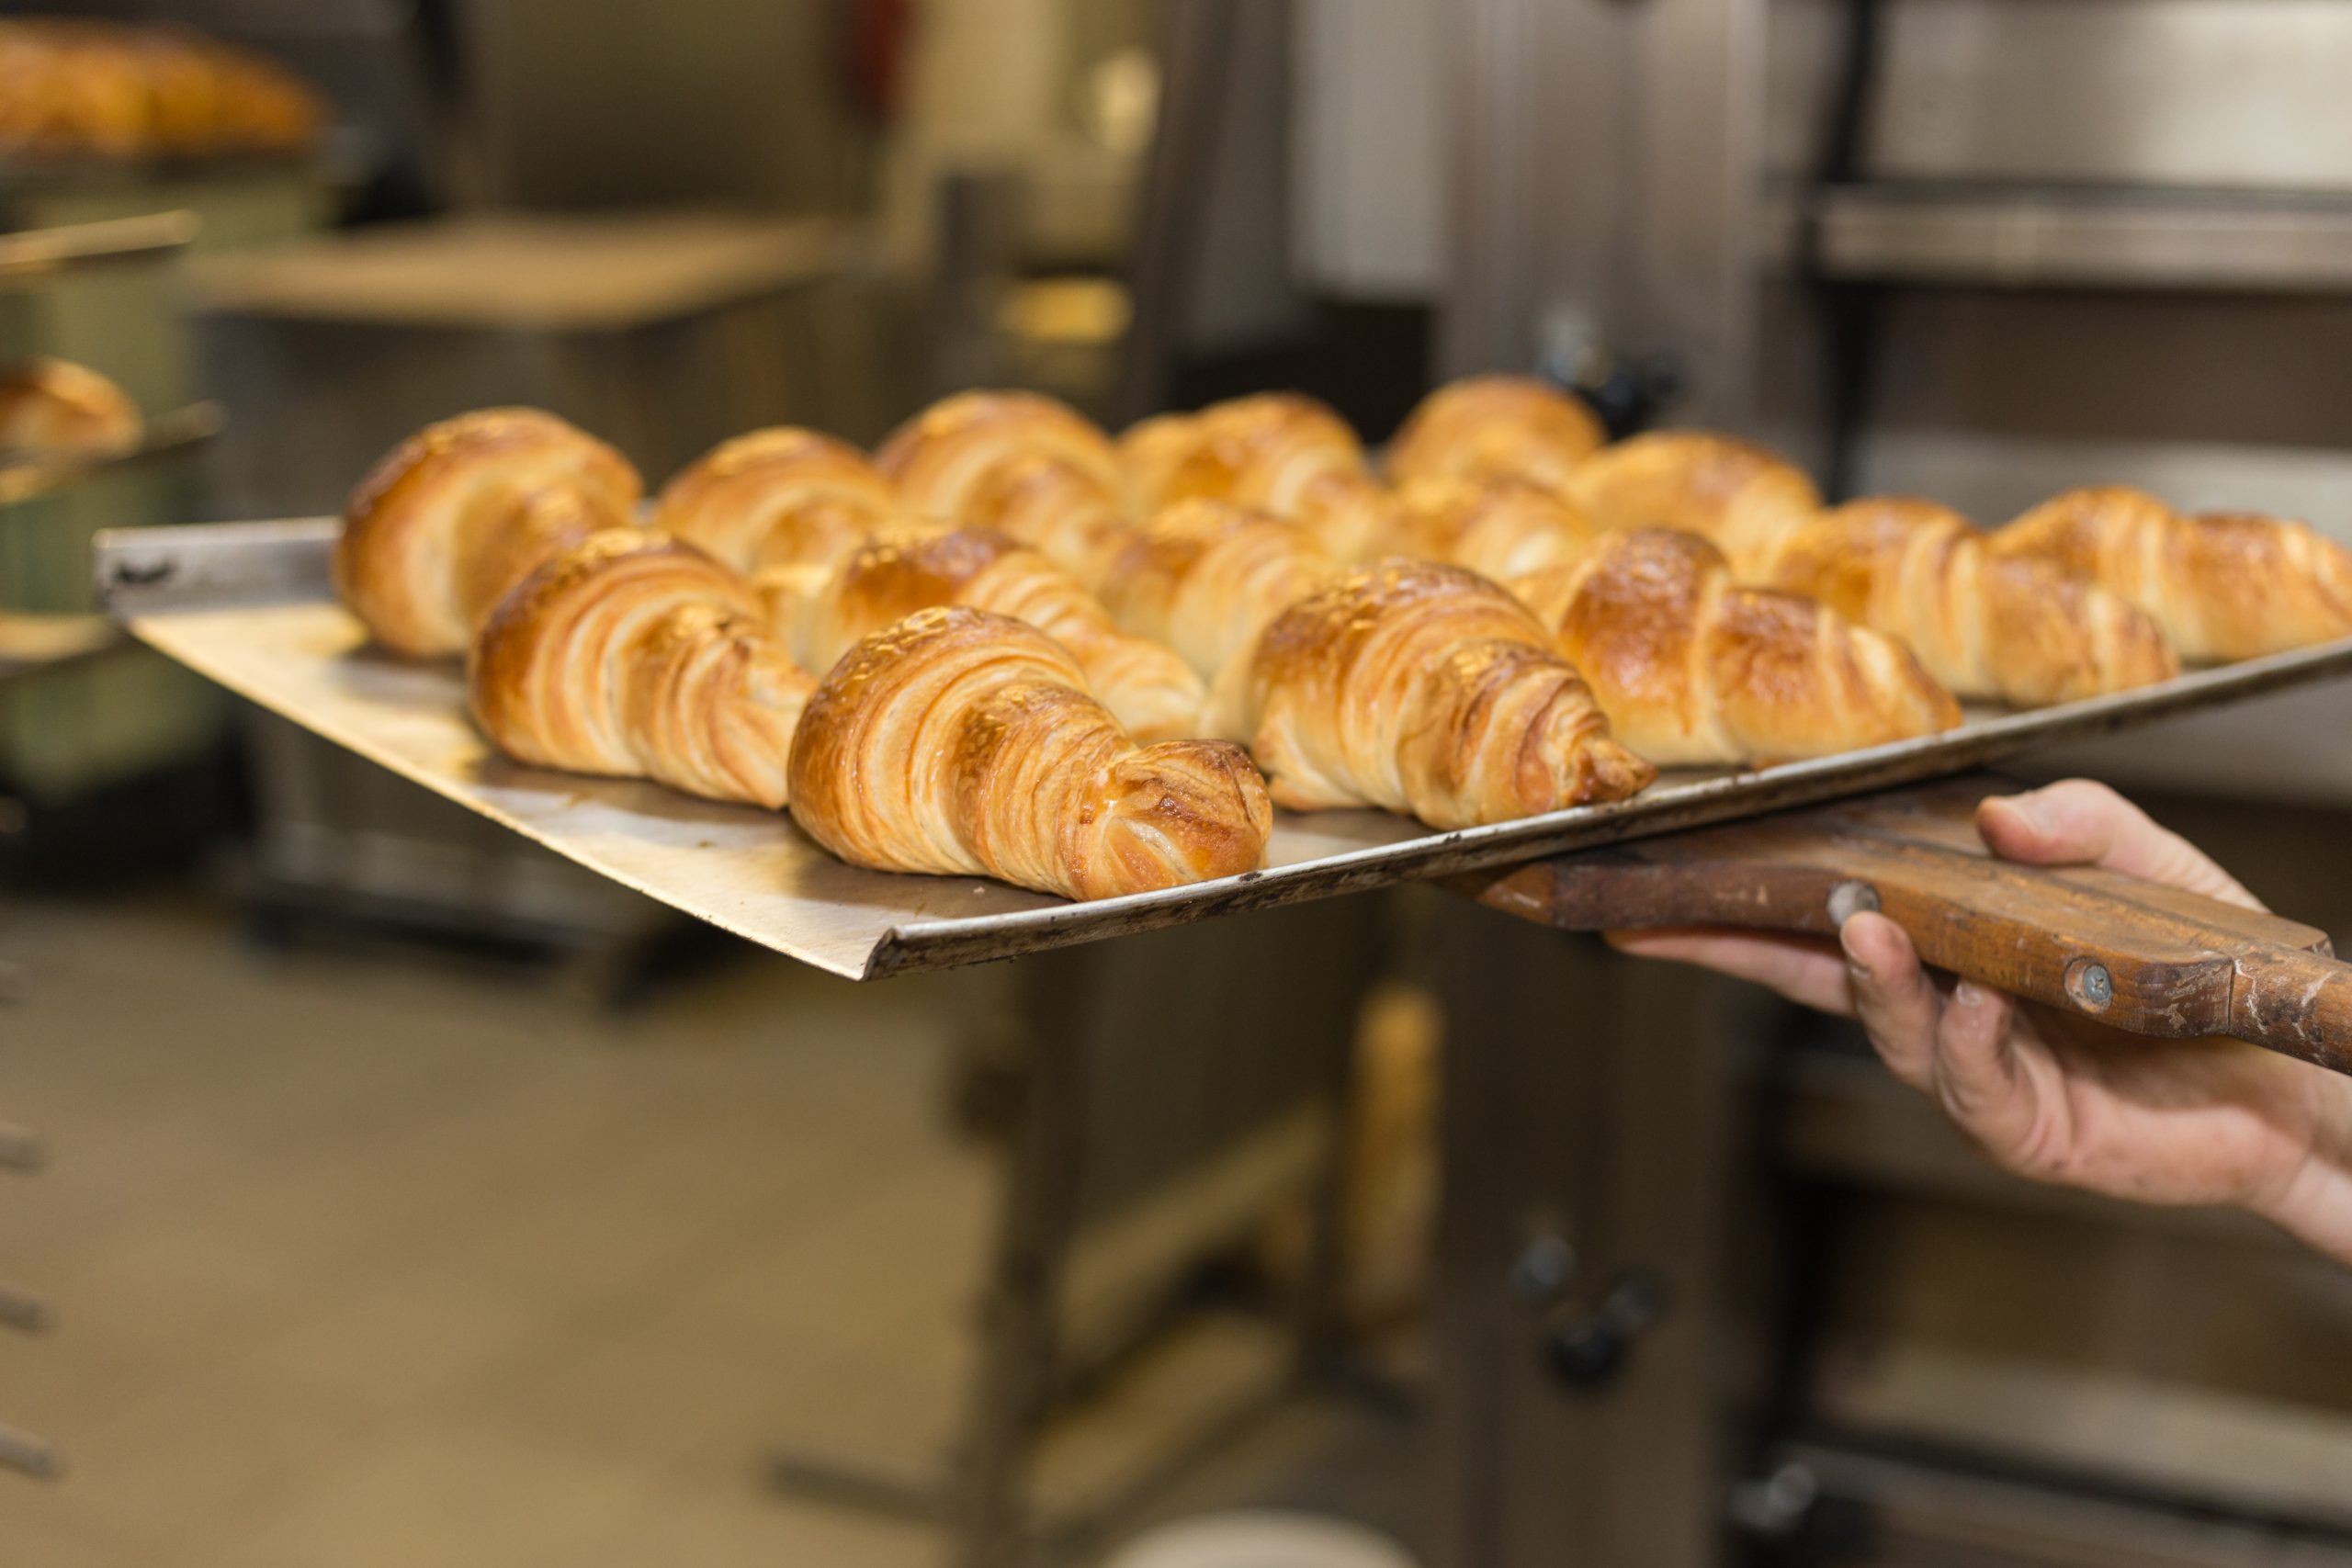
(1588, 1349)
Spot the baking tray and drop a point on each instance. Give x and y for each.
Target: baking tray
(247, 604)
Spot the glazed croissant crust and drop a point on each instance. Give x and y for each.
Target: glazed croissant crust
(776, 497)
(1985, 625)
(1737, 495)
(1918, 572)
(1426, 689)
(962, 743)
(2222, 585)
(1150, 690)
(1025, 465)
(1204, 578)
(636, 656)
(1692, 669)
(460, 512)
(1275, 452)
(1495, 427)
(1501, 529)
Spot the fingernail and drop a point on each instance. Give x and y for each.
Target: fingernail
(2030, 809)
(1969, 994)
(1855, 963)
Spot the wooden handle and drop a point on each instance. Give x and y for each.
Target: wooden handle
(2140, 957)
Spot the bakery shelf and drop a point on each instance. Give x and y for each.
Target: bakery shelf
(35, 258)
(182, 430)
(2019, 237)
(248, 606)
(32, 642)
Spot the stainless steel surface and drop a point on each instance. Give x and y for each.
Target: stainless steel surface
(35, 258)
(167, 434)
(1607, 179)
(2056, 237)
(755, 873)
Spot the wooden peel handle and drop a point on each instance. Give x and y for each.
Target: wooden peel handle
(2141, 958)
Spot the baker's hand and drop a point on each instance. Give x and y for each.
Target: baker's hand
(2050, 1095)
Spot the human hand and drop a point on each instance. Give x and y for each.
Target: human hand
(2050, 1095)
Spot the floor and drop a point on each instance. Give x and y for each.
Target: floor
(364, 1262)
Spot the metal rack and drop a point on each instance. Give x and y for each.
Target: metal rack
(2058, 237)
(35, 643)
(39, 257)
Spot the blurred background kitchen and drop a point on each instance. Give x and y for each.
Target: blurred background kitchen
(382, 1191)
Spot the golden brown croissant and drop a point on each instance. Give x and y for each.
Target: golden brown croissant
(1733, 493)
(1495, 427)
(1919, 573)
(463, 509)
(1277, 452)
(2222, 585)
(636, 656)
(1023, 464)
(1204, 578)
(1150, 690)
(53, 406)
(1426, 689)
(1983, 625)
(1498, 528)
(961, 742)
(778, 497)
(1690, 668)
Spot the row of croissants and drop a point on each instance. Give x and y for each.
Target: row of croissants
(1007, 645)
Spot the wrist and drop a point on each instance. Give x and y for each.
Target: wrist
(2312, 1202)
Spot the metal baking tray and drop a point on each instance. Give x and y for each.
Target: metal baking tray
(247, 604)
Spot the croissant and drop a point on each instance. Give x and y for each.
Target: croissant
(1426, 689)
(634, 656)
(776, 497)
(1277, 452)
(1733, 493)
(1023, 464)
(53, 406)
(1495, 427)
(1692, 669)
(1150, 690)
(1499, 528)
(460, 512)
(1204, 578)
(1985, 625)
(1919, 573)
(958, 742)
(2222, 585)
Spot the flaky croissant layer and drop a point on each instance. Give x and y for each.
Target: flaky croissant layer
(783, 496)
(1148, 688)
(1495, 427)
(460, 512)
(634, 656)
(1691, 669)
(961, 742)
(2222, 585)
(1426, 689)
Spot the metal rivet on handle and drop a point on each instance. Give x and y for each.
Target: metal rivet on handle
(2089, 984)
(1850, 898)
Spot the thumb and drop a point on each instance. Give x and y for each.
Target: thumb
(2082, 822)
